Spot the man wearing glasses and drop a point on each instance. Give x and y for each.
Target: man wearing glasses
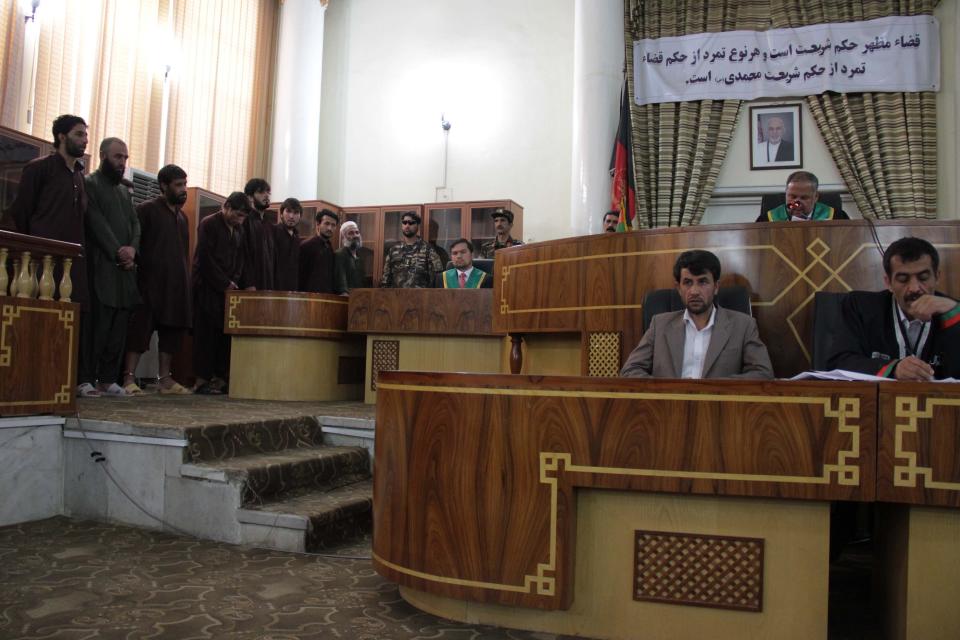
(412, 263)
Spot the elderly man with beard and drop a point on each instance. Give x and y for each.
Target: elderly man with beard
(163, 277)
(51, 203)
(286, 244)
(113, 239)
(908, 332)
(348, 260)
(703, 340)
(258, 247)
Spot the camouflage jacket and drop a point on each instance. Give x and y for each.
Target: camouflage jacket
(411, 266)
(488, 248)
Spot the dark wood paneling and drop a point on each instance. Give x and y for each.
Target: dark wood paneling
(425, 311)
(284, 313)
(597, 283)
(38, 356)
(468, 466)
(919, 451)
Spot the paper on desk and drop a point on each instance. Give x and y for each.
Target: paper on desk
(843, 374)
(837, 374)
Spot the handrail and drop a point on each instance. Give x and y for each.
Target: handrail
(25, 253)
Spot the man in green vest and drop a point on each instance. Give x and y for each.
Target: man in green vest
(113, 241)
(463, 275)
(802, 202)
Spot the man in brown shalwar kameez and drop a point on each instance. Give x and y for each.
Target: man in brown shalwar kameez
(286, 244)
(258, 249)
(217, 268)
(164, 281)
(51, 202)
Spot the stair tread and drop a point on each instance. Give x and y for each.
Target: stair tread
(271, 458)
(309, 503)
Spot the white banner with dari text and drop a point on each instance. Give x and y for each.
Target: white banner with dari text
(900, 53)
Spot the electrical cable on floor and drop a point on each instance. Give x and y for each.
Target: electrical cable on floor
(104, 463)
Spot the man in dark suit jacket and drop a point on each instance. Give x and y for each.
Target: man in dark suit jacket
(909, 331)
(702, 341)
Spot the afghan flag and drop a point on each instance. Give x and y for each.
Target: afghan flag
(624, 186)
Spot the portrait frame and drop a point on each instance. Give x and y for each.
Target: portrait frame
(789, 150)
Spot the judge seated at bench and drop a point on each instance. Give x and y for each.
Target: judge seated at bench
(908, 332)
(801, 202)
(703, 340)
(463, 275)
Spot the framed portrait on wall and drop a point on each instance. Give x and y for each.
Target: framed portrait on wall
(775, 141)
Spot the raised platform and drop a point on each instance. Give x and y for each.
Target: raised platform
(284, 475)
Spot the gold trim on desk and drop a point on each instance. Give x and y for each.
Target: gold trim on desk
(551, 462)
(66, 316)
(905, 475)
(234, 323)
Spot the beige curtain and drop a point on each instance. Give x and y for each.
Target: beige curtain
(103, 60)
(10, 38)
(219, 110)
(884, 144)
(678, 148)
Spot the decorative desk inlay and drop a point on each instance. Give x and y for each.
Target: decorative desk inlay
(604, 361)
(699, 570)
(386, 357)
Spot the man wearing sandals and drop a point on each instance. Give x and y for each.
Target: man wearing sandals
(163, 276)
(113, 239)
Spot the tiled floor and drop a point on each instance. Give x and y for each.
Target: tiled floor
(62, 578)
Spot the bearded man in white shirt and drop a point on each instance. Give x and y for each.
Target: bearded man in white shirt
(703, 340)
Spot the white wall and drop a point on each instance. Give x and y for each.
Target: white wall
(31, 468)
(501, 71)
(948, 114)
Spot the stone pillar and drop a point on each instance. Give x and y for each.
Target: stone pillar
(295, 147)
(598, 48)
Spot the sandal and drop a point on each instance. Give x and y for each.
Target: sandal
(114, 390)
(132, 389)
(176, 389)
(87, 390)
(207, 390)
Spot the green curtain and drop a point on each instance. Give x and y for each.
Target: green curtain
(884, 144)
(678, 148)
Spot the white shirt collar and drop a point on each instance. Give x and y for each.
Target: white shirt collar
(688, 320)
(466, 271)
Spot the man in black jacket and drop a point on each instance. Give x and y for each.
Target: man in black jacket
(909, 332)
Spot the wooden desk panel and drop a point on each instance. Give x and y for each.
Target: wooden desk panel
(474, 491)
(597, 283)
(919, 451)
(285, 313)
(421, 311)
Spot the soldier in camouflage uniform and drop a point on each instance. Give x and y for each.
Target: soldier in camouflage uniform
(413, 262)
(502, 222)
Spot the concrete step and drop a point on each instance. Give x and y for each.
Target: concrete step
(308, 519)
(262, 476)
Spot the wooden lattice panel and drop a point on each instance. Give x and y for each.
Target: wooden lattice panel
(604, 355)
(699, 570)
(385, 357)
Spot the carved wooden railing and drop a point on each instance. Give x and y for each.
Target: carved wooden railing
(39, 325)
(27, 266)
